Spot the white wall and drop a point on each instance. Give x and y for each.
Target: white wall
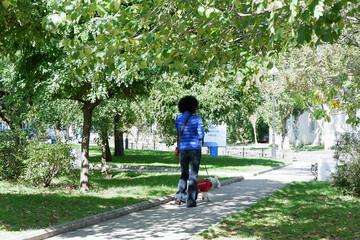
(304, 130)
(308, 131)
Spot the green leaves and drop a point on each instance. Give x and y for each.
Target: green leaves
(207, 12)
(201, 10)
(5, 4)
(319, 8)
(116, 4)
(294, 9)
(304, 34)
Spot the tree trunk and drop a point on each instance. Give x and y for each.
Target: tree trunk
(253, 120)
(118, 138)
(84, 172)
(103, 156)
(255, 136)
(108, 157)
(105, 153)
(67, 132)
(284, 138)
(121, 144)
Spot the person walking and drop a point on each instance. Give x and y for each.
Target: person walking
(190, 130)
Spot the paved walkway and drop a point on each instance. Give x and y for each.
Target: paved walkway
(178, 222)
(166, 221)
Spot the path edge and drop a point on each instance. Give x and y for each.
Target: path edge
(102, 217)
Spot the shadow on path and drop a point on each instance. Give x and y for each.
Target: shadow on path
(178, 222)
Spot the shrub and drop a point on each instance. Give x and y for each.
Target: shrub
(348, 155)
(12, 153)
(46, 161)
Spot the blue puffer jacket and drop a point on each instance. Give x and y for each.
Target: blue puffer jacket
(193, 133)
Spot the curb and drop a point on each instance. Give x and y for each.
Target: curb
(135, 168)
(271, 169)
(91, 220)
(231, 180)
(102, 217)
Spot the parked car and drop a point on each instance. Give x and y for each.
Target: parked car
(265, 139)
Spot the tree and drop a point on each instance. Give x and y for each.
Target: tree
(105, 49)
(118, 137)
(220, 99)
(12, 110)
(126, 115)
(322, 80)
(239, 128)
(253, 119)
(102, 123)
(58, 115)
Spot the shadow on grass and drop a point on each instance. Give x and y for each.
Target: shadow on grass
(139, 179)
(311, 210)
(35, 211)
(48, 207)
(130, 179)
(167, 159)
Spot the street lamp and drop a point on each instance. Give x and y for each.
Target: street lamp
(273, 71)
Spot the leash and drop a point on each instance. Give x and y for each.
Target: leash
(206, 170)
(202, 144)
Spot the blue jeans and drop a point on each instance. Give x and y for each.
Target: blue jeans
(189, 193)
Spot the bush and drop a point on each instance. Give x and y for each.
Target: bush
(348, 155)
(46, 161)
(12, 153)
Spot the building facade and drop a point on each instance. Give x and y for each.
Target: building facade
(305, 130)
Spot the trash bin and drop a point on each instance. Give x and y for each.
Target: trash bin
(214, 151)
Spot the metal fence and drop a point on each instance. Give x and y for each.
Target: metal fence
(236, 151)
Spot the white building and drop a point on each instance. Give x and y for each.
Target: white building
(306, 130)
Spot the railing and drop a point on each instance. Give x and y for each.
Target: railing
(245, 152)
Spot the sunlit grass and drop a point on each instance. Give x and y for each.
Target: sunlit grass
(312, 210)
(28, 208)
(135, 157)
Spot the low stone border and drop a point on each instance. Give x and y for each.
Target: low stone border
(271, 169)
(135, 168)
(84, 222)
(231, 180)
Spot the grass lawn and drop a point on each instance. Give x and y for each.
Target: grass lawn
(28, 208)
(167, 159)
(311, 210)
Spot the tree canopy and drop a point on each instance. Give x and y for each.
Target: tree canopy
(91, 51)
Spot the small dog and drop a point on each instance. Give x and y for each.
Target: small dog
(204, 185)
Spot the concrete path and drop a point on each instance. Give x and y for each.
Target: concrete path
(178, 222)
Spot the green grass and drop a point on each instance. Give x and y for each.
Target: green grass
(167, 159)
(26, 208)
(311, 210)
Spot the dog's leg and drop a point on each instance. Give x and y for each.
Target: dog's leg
(206, 197)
